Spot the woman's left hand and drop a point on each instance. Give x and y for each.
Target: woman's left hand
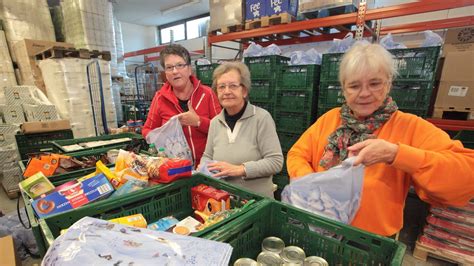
(226, 169)
(373, 151)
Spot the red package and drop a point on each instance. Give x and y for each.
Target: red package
(175, 169)
(457, 216)
(445, 235)
(448, 248)
(209, 200)
(456, 227)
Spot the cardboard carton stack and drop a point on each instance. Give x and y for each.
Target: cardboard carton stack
(456, 89)
(68, 88)
(89, 24)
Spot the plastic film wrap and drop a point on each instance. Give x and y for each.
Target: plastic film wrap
(68, 89)
(26, 19)
(122, 71)
(7, 74)
(89, 24)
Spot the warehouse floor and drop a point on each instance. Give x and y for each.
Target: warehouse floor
(7, 205)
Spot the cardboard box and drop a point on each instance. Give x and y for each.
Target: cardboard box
(45, 126)
(255, 9)
(40, 112)
(8, 254)
(73, 196)
(456, 89)
(459, 40)
(275, 7)
(25, 52)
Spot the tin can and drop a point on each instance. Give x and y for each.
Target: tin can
(293, 254)
(245, 262)
(273, 244)
(269, 258)
(315, 261)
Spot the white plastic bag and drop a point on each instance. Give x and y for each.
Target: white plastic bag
(272, 49)
(253, 50)
(340, 46)
(335, 193)
(171, 137)
(388, 43)
(431, 39)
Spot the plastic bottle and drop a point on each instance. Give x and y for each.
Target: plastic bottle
(152, 149)
(162, 153)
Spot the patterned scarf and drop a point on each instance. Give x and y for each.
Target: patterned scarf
(353, 131)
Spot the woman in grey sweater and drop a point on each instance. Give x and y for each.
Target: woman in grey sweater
(242, 139)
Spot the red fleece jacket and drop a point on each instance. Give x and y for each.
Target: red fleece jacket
(165, 105)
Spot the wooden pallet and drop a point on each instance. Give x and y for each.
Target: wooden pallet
(227, 29)
(282, 18)
(422, 252)
(438, 112)
(62, 52)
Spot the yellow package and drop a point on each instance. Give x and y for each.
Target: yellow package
(135, 220)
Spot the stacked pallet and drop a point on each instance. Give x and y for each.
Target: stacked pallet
(449, 234)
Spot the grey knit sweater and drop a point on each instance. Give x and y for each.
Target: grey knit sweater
(253, 142)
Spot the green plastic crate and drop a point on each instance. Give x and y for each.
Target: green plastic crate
(330, 96)
(262, 90)
(413, 97)
(416, 63)
(287, 140)
(296, 101)
(58, 145)
(153, 202)
(281, 180)
(303, 77)
(57, 180)
(266, 67)
(204, 73)
(466, 137)
(39, 142)
(293, 122)
(268, 105)
(330, 67)
(348, 246)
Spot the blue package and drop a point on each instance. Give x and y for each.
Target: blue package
(163, 224)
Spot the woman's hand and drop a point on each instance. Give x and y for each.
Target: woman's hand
(189, 118)
(373, 151)
(226, 169)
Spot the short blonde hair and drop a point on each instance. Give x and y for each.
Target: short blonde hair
(226, 67)
(364, 57)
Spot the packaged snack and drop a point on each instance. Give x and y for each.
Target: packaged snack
(163, 224)
(135, 220)
(36, 185)
(175, 169)
(153, 167)
(209, 200)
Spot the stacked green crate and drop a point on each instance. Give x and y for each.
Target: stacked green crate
(412, 89)
(264, 71)
(204, 73)
(295, 107)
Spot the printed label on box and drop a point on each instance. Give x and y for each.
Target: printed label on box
(459, 91)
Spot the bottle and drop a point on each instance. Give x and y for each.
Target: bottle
(152, 150)
(162, 153)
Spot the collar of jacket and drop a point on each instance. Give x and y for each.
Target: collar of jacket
(167, 90)
(250, 111)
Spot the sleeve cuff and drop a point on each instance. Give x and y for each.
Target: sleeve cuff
(408, 159)
(250, 170)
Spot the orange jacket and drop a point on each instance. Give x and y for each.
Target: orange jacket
(440, 169)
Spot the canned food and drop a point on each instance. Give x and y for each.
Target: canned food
(315, 261)
(293, 254)
(273, 244)
(245, 262)
(269, 258)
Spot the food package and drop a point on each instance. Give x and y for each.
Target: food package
(175, 169)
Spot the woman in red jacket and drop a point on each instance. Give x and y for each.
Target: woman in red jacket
(183, 94)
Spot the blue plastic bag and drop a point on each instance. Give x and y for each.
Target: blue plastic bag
(335, 193)
(431, 39)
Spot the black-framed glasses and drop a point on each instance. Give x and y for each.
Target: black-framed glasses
(179, 66)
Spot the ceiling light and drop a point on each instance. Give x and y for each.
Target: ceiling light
(178, 7)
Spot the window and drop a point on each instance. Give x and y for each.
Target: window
(184, 30)
(196, 28)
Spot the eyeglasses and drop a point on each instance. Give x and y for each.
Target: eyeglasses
(231, 86)
(373, 86)
(170, 68)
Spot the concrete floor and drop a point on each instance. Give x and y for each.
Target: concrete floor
(7, 206)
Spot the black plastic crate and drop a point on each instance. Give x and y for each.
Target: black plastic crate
(266, 67)
(296, 101)
(39, 142)
(303, 77)
(466, 137)
(293, 122)
(262, 90)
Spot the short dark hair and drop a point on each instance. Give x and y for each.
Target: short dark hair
(175, 49)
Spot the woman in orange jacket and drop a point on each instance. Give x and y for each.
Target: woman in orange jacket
(397, 148)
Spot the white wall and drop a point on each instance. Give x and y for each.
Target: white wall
(137, 37)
